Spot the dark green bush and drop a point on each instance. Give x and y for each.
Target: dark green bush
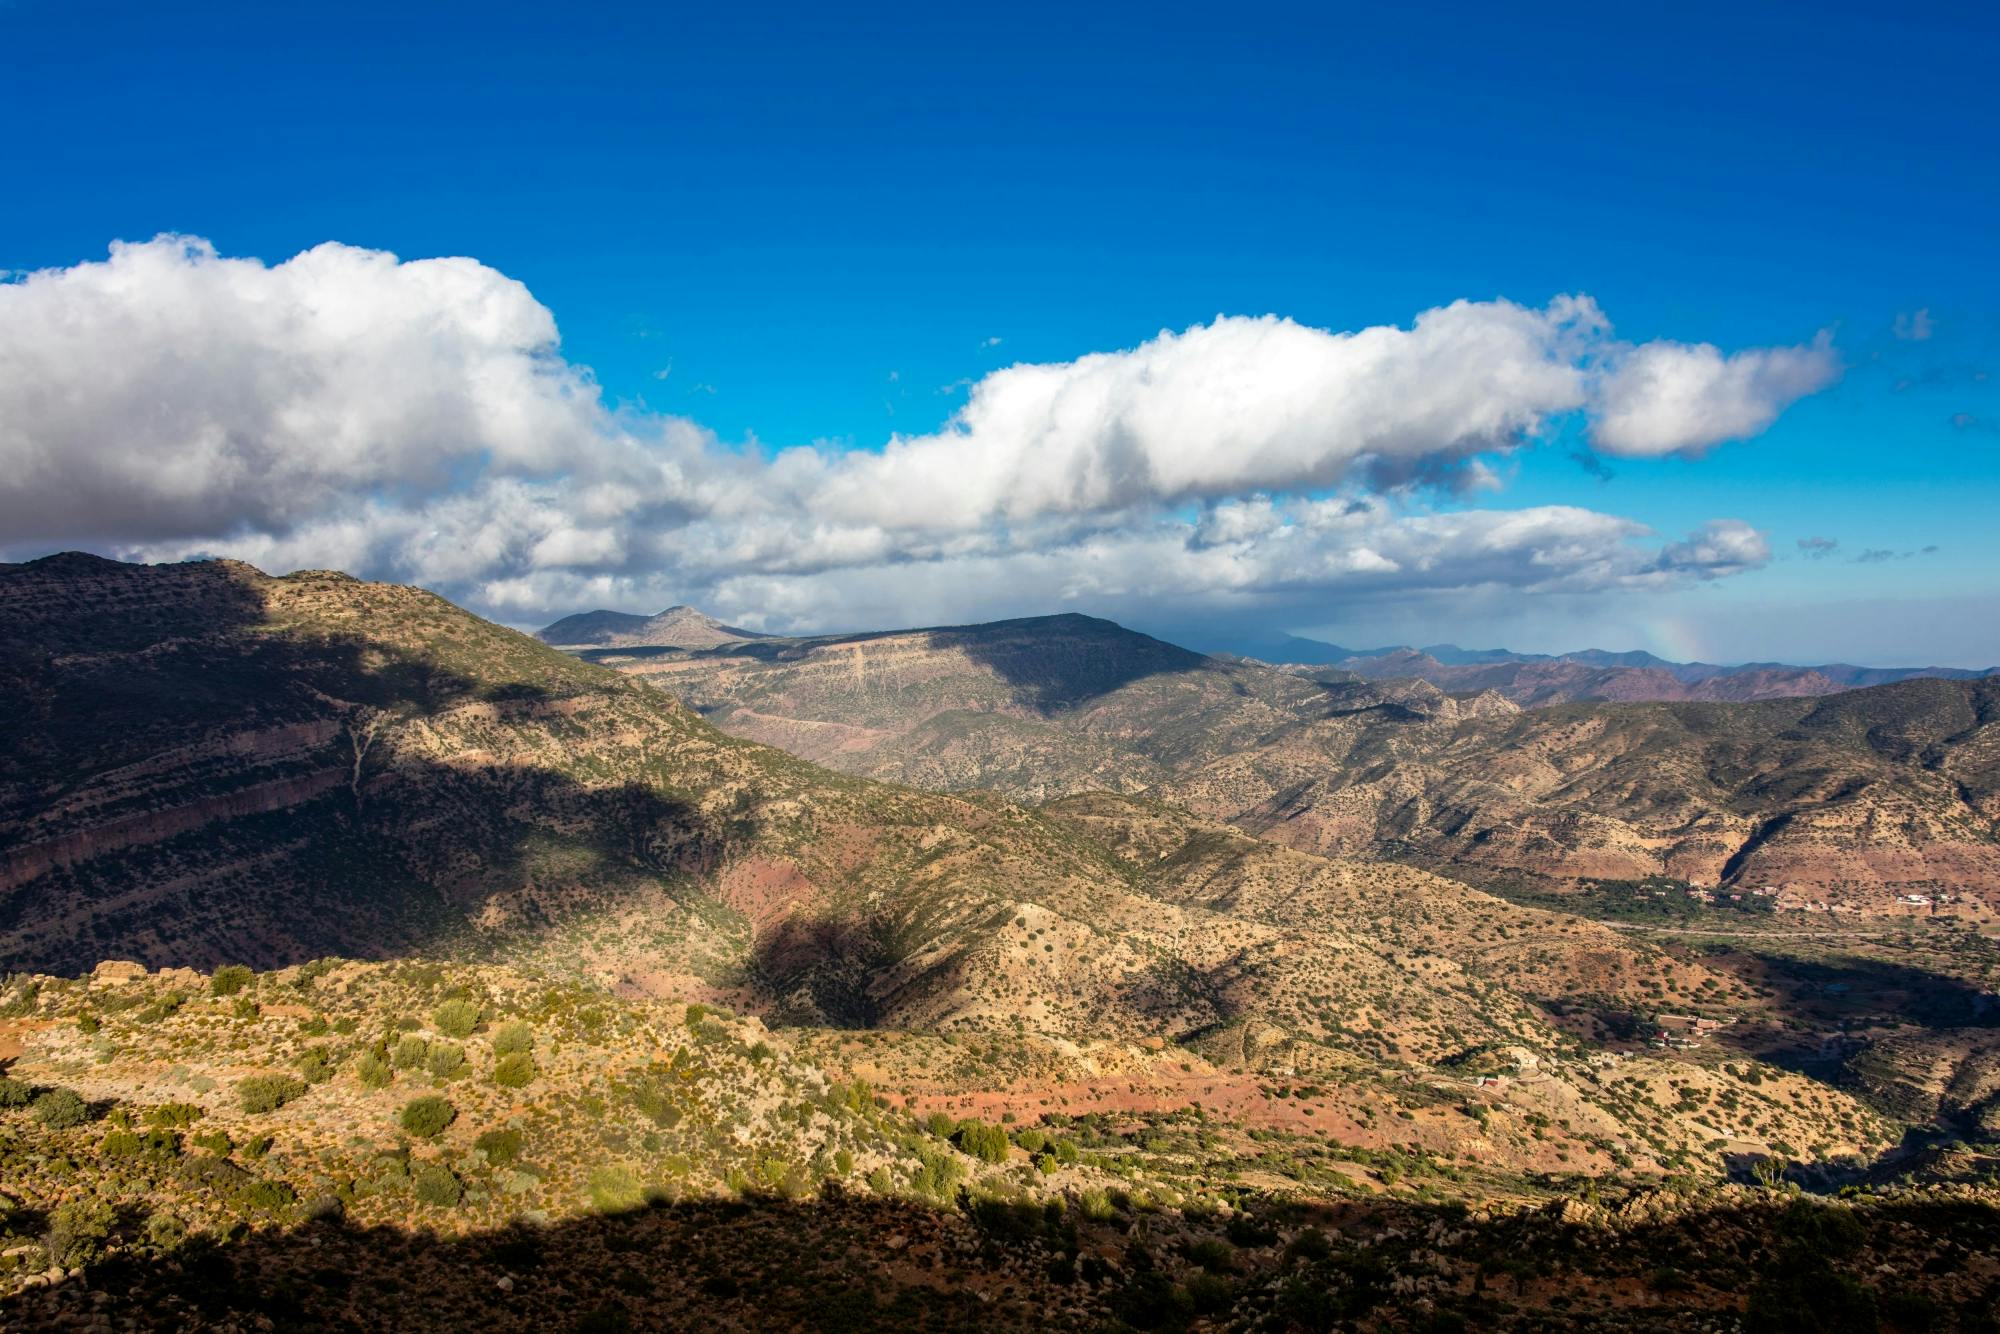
(499, 1146)
(229, 979)
(981, 1140)
(437, 1185)
(374, 1071)
(316, 1065)
(77, 1231)
(428, 1116)
(266, 1195)
(457, 1018)
(516, 1070)
(512, 1038)
(59, 1109)
(164, 1008)
(267, 1093)
(173, 1115)
(446, 1061)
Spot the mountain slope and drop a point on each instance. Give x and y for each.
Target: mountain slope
(207, 764)
(1853, 798)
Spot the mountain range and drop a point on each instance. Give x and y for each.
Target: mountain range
(1536, 679)
(1859, 799)
(1042, 941)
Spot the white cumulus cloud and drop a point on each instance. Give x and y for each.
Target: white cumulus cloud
(416, 420)
(1681, 398)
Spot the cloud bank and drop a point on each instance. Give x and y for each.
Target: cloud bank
(417, 420)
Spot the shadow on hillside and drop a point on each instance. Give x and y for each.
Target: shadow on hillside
(1855, 992)
(326, 846)
(821, 970)
(848, 1263)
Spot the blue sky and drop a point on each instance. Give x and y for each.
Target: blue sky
(798, 226)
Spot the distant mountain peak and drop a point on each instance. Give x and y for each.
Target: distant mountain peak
(679, 626)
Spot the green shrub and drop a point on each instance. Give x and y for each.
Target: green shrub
(165, 1232)
(266, 1195)
(428, 1116)
(15, 1092)
(164, 1008)
(438, 1186)
(267, 1093)
(938, 1175)
(160, 1143)
(1211, 1253)
(616, 1190)
(654, 1104)
(120, 1144)
(981, 1140)
(77, 1231)
(516, 1070)
(512, 1038)
(374, 1071)
(1210, 1294)
(216, 1142)
(173, 1115)
(499, 1146)
(229, 979)
(457, 1018)
(59, 1109)
(447, 1061)
(316, 1065)
(411, 1052)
